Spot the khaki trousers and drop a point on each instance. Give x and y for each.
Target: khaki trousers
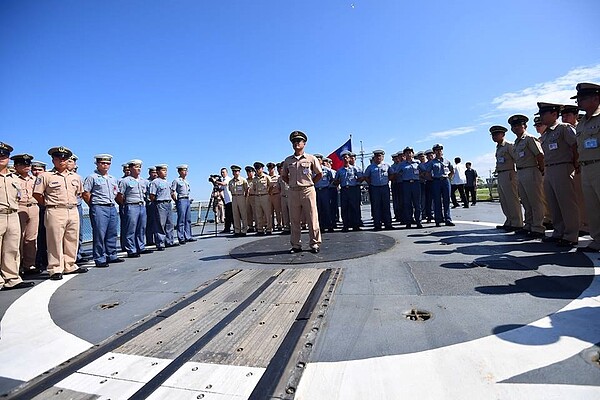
(250, 213)
(509, 198)
(590, 181)
(531, 193)
(29, 219)
(263, 213)
(303, 202)
(583, 219)
(285, 213)
(62, 238)
(562, 204)
(276, 207)
(238, 206)
(10, 232)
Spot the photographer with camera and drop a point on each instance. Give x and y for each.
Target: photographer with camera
(223, 182)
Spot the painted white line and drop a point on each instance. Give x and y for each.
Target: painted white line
(31, 343)
(469, 370)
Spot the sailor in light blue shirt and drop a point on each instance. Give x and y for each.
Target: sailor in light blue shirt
(99, 192)
(132, 194)
(180, 192)
(324, 196)
(377, 176)
(440, 170)
(410, 173)
(160, 194)
(348, 177)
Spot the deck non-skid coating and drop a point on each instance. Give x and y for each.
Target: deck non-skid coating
(229, 365)
(334, 247)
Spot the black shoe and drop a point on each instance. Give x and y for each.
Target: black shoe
(172, 245)
(344, 229)
(437, 224)
(146, 251)
(80, 270)
(295, 250)
(236, 235)
(551, 239)
(473, 204)
(587, 249)
(450, 223)
(104, 265)
(503, 227)
(583, 233)
(536, 235)
(285, 232)
(566, 243)
(419, 226)
(56, 277)
(225, 231)
(522, 231)
(408, 226)
(242, 234)
(315, 250)
(191, 240)
(455, 206)
(20, 285)
(268, 233)
(377, 228)
(330, 230)
(357, 229)
(548, 225)
(116, 261)
(82, 260)
(160, 249)
(182, 242)
(260, 233)
(133, 255)
(32, 270)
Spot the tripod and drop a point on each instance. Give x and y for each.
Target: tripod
(208, 208)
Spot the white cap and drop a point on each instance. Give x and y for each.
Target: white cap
(133, 162)
(182, 166)
(103, 157)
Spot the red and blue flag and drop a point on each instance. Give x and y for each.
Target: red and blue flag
(337, 161)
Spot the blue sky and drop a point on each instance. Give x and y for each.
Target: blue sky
(213, 83)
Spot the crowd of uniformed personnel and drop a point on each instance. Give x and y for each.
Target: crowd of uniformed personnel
(41, 213)
(556, 178)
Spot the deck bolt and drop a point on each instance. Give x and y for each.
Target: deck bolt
(290, 390)
(195, 369)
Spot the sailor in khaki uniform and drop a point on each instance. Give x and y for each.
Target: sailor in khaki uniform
(588, 147)
(10, 229)
(569, 115)
(238, 187)
(560, 155)
(29, 213)
(58, 191)
(251, 219)
(285, 207)
(275, 196)
(540, 128)
(262, 183)
(301, 171)
(507, 180)
(529, 159)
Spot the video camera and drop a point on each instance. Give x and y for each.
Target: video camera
(215, 179)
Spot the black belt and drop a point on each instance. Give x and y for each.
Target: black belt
(139, 203)
(28, 204)
(505, 170)
(183, 197)
(588, 162)
(410, 180)
(68, 206)
(104, 205)
(8, 211)
(558, 163)
(444, 178)
(520, 168)
(162, 201)
(349, 187)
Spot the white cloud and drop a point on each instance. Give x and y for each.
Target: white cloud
(483, 163)
(448, 133)
(556, 91)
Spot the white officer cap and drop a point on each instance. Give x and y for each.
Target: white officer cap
(135, 161)
(343, 153)
(103, 157)
(182, 166)
(161, 166)
(74, 157)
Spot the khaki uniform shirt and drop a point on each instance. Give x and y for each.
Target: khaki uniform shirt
(505, 160)
(299, 170)
(59, 189)
(261, 184)
(557, 143)
(588, 137)
(27, 184)
(274, 187)
(10, 192)
(525, 150)
(283, 186)
(238, 187)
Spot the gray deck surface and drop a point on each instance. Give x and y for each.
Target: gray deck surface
(475, 280)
